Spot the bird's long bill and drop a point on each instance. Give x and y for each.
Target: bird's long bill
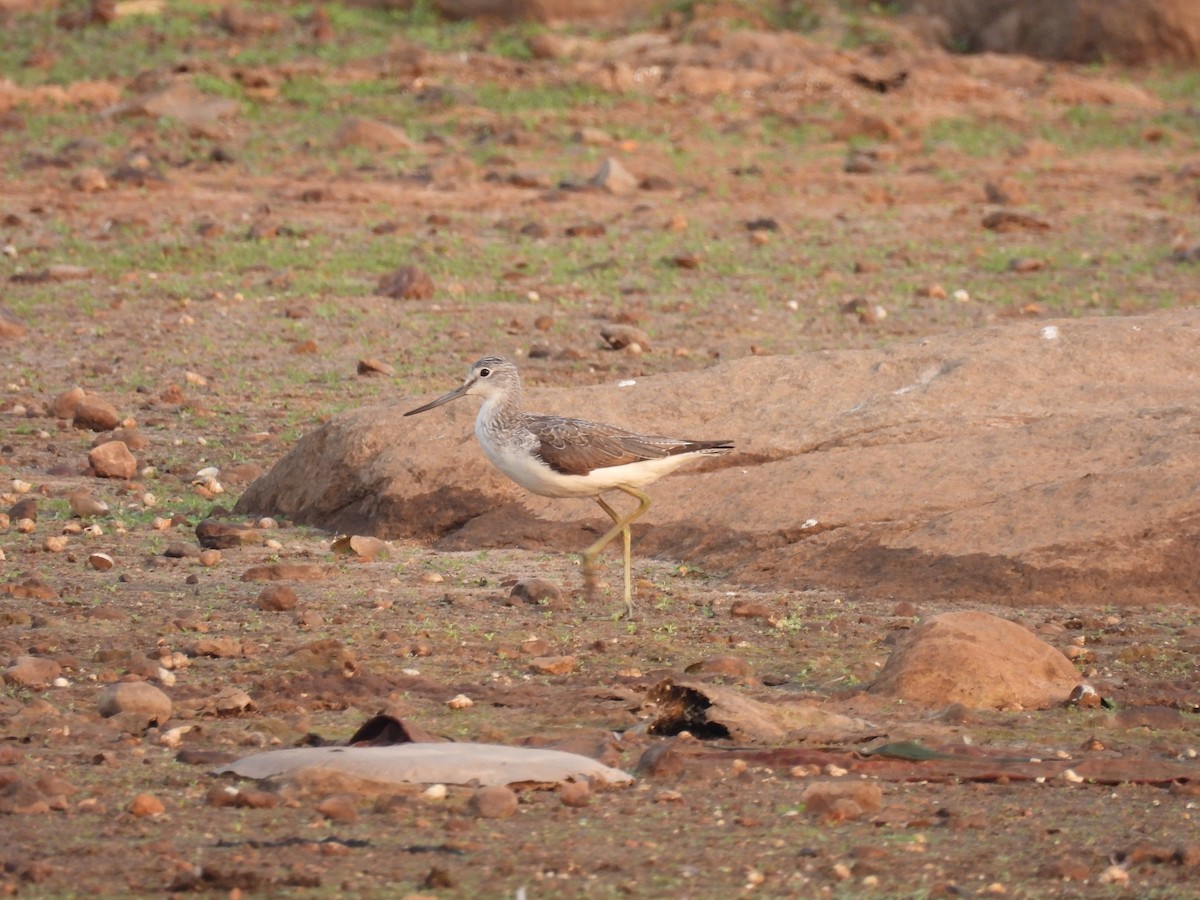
(445, 398)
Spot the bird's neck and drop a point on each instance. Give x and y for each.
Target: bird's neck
(501, 411)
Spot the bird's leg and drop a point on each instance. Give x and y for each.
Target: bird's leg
(620, 526)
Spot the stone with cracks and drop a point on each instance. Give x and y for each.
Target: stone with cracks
(978, 660)
(1035, 462)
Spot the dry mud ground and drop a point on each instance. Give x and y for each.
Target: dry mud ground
(224, 296)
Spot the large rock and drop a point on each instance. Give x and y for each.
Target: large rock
(978, 660)
(1032, 462)
(1127, 31)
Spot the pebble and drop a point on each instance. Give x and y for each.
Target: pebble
(460, 701)
(497, 801)
(209, 558)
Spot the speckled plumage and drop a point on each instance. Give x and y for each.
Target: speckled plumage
(556, 456)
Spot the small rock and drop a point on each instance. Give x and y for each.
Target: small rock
(407, 283)
(65, 404)
(54, 544)
(749, 609)
(10, 325)
(89, 180)
(539, 591)
(85, 505)
(284, 572)
(372, 366)
(338, 808)
(862, 162)
(95, 414)
(218, 648)
(1022, 265)
(101, 562)
(32, 672)
(497, 801)
(112, 459)
(620, 337)
(729, 666)
(553, 665)
(137, 698)
(144, 805)
(460, 701)
(358, 131)
(25, 508)
(209, 558)
(214, 535)
(575, 794)
(614, 178)
(1008, 220)
(840, 801)
(277, 598)
(596, 137)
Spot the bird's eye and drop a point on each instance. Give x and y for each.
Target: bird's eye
(484, 373)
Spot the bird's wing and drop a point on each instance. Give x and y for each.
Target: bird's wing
(577, 447)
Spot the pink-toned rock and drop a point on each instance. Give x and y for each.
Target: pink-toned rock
(978, 660)
(112, 460)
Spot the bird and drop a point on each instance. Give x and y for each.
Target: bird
(556, 456)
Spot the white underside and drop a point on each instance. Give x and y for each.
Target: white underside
(534, 475)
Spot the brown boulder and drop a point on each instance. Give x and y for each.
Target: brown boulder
(978, 660)
(1034, 462)
(1127, 31)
